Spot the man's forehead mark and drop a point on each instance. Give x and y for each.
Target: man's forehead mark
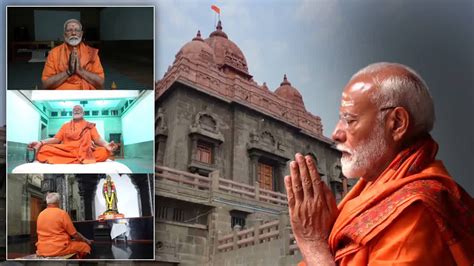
(345, 103)
(72, 23)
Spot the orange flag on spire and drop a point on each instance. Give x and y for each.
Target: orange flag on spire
(216, 9)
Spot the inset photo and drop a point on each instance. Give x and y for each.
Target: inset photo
(80, 216)
(80, 48)
(77, 132)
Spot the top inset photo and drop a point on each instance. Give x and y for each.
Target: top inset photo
(80, 48)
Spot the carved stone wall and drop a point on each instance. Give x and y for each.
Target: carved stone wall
(240, 131)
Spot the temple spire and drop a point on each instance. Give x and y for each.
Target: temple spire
(198, 36)
(219, 31)
(285, 81)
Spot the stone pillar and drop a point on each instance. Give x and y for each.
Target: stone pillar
(235, 237)
(25, 209)
(214, 177)
(61, 188)
(256, 232)
(87, 184)
(160, 151)
(257, 191)
(151, 196)
(285, 229)
(141, 183)
(193, 148)
(253, 173)
(280, 176)
(218, 224)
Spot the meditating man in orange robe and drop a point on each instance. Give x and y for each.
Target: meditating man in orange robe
(77, 142)
(73, 65)
(55, 229)
(405, 209)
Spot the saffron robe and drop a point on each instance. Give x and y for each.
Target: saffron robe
(55, 228)
(58, 61)
(76, 145)
(412, 214)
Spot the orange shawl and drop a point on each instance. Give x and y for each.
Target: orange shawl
(76, 144)
(58, 61)
(413, 177)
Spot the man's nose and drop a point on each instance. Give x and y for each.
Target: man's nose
(339, 133)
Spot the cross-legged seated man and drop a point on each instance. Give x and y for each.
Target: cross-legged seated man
(55, 229)
(73, 65)
(77, 142)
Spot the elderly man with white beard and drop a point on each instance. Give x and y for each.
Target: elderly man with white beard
(405, 209)
(73, 65)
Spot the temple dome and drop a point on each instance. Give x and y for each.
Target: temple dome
(197, 49)
(289, 93)
(227, 53)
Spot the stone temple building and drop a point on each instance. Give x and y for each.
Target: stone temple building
(223, 146)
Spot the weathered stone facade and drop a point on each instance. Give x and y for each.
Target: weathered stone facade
(223, 147)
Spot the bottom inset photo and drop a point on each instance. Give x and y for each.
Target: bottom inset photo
(80, 216)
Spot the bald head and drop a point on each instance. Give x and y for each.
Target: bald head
(72, 20)
(391, 84)
(52, 198)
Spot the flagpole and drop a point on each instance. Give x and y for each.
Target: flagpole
(218, 11)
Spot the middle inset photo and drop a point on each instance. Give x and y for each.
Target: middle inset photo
(77, 132)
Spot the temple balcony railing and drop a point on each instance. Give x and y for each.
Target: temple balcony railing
(276, 230)
(193, 187)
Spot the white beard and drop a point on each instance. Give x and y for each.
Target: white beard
(74, 41)
(361, 159)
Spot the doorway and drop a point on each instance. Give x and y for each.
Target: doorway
(36, 206)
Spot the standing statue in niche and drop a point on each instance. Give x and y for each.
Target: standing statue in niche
(110, 195)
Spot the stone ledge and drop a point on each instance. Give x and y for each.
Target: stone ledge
(197, 226)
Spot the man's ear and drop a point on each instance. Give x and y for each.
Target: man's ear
(399, 122)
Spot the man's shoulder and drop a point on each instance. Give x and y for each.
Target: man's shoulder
(89, 124)
(432, 184)
(66, 124)
(57, 48)
(52, 211)
(424, 189)
(91, 50)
